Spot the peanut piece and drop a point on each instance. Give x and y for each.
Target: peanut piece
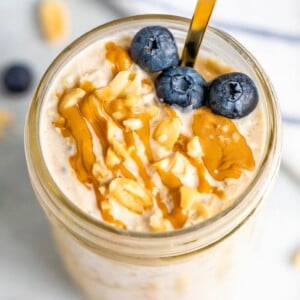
(130, 100)
(158, 224)
(133, 124)
(167, 132)
(5, 119)
(150, 112)
(194, 148)
(112, 159)
(119, 115)
(189, 200)
(102, 191)
(296, 258)
(115, 88)
(188, 196)
(114, 133)
(130, 194)
(101, 172)
(121, 86)
(121, 150)
(176, 164)
(106, 205)
(72, 98)
(53, 20)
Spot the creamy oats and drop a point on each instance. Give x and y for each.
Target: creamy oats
(124, 157)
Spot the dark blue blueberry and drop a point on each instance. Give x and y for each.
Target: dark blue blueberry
(233, 95)
(181, 86)
(17, 78)
(154, 49)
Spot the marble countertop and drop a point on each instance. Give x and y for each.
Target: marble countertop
(29, 265)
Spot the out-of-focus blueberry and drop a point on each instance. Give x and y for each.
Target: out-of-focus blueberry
(17, 78)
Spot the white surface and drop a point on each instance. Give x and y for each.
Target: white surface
(29, 266)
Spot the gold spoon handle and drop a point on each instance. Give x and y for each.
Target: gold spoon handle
(196, 31)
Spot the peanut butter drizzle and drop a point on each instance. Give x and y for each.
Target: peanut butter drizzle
(118, 57)
(82, 162)
(181, 146)
(93, 111)
(143, 133)
(209, 68)
(83, 159)
(118, 105)
(225, 150)
(87, 86)
(176, 216)
(90, 110)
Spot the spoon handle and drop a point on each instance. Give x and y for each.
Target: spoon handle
(196, 31)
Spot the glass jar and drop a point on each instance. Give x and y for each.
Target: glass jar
(199, 262)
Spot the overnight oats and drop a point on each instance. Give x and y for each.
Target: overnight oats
(152, 173)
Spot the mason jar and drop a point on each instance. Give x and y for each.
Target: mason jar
(201, 262)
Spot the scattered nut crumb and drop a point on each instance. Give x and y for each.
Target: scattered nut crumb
(130, 194)
(53, 20)
(167, 132)
(296, 258)
(157, 223)
(194, 148)
(5, 119)
(133, 124)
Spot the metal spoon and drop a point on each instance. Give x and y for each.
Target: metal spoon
(202, 13)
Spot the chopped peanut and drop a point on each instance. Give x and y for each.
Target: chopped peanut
(158, 224)
(167, 132)
(112, 159)
(5, 119)
(130, 194)
(133, 124)
(194, 148)
(53, 20)
(189, 200)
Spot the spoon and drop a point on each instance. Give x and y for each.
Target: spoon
(202, 13)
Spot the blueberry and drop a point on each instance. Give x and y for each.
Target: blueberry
(154, 49)
(233, 95)
(181, 86)
(17, 78)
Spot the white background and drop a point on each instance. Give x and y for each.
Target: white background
(29, 266)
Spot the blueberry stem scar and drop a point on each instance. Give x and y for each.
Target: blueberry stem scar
(198, 25)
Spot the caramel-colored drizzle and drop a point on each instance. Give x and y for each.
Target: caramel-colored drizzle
(118, 57)
(177, 216)
(225, 150)
(74, 126)
(181, 146)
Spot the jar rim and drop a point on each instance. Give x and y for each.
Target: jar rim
(269, 163)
